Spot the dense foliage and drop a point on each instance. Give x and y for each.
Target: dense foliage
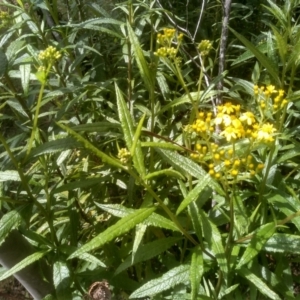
(127, 155)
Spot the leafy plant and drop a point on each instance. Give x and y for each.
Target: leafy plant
(118, 162)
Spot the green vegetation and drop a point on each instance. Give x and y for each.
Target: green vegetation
(145, 144)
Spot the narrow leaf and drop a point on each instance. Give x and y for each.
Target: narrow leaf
(24, 263)
(173, 277)
(121, 227)
(8, 222)
(196, 272)
(214, 239)
(264, 60)
(154, 219)
(129, 134)
(140, 59)
(194, 193)
(9, 175)
(88, 145)
(166, 172)
(187, 166)
(257, 242)
(148, 251)
(258, 283)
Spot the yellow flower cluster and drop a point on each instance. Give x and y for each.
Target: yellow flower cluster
(49, 55)
(225, 162)
(165, 40)
(265, 100)
(204, 47)
(124, 155)
(232, 125)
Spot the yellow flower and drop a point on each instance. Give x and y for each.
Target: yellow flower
(271, 89)
(234, 172)
(265, 132)
(227, 108)
(248, 118)
(230, 133)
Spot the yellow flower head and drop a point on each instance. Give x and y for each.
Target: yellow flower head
(49, 55)
(265, 133)
(248, 118)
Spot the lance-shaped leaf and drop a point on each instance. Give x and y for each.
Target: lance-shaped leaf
(90, 146)
(131, 138)
(148, 251)
(173, 277)
(194, 193)
(61, 280)
(140, 59)
(196, 272)
(214, 239)
(187, 166)
(8, 222)
(121, 227)
(264, 60)
(257, 242)
(24, 263)
(154, 219)
(260, 284)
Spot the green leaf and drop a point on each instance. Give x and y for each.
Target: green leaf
(165, 172)
(61, 281)
(13, 48)
(55, 146)
(173, 277)
(88, 145)
(168, 146)
(3, 63)
(264, 60)
(82, 183)
(214, 239)
(257, 242)
(196, 272)
(277, 13)
(288, 155)
(248, 54)
(92, 260)
(187, 166)
(129, 135)
(9, 175)
(121, 227)
(283, 243)
(96, 127)
(8, 222)
(24, 263)
(281, 44)
(140, 59)
(258, 283)
(186, 99)
(286, 204)
(25, 70)
(140, 230)
(137, 135)
(148, 251)
(154, 219)
(193, 210)
(194, 193)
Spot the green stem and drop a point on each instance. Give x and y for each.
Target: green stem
(35, 120)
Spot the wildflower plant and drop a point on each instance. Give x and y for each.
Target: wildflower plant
(200, 201)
